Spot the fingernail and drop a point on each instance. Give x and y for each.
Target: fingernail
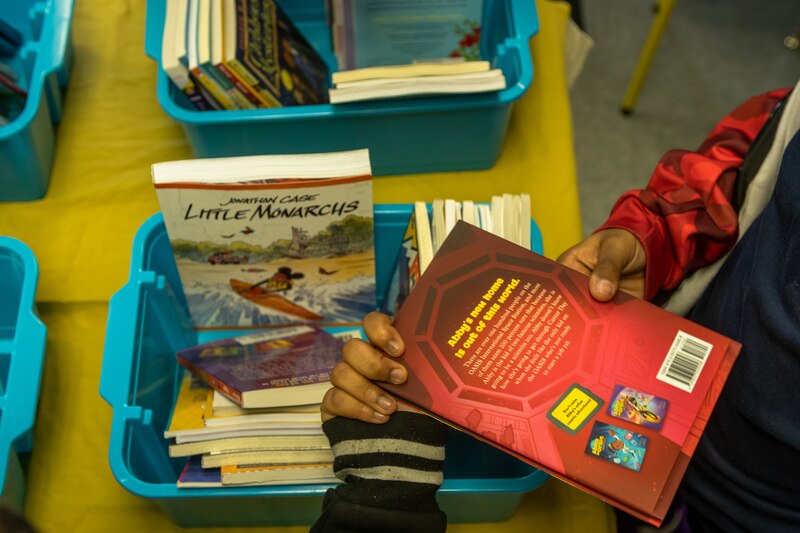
(384, 402)
(396, 376)
(379, 416)
(394, 347)
(605, 287)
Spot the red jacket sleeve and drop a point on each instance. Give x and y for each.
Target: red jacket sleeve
(685, 218)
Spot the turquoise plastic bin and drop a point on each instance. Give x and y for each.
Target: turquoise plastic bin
(22, 339)
(27, 144)
(148, 322)
(443, 133)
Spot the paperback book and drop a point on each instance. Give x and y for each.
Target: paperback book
(271, 240)
(369, 33)
(275, 368)
(509, 346)
(506, 215)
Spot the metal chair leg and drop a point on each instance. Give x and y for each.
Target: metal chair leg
(663, 12)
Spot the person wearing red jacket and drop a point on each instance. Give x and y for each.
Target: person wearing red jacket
(714, 236)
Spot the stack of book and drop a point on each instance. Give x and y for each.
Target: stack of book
(248, 409)
(240, 54)
(431, 77)
(507, 216)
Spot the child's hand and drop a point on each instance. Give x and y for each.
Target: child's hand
(353, 394)
(615, 260)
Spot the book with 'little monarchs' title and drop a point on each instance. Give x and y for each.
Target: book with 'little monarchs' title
(271, 240)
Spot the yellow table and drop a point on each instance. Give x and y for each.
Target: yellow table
(112, 130)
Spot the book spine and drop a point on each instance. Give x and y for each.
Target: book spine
(216, 384)
(212, 88)
(237, 99)
(252, 97)
(201, 97)
(269, 98)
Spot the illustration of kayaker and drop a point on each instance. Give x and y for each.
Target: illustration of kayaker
(282, 280)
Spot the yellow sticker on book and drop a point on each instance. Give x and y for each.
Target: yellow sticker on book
(575, 407)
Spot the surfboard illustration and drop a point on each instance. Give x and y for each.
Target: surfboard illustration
(267, 298)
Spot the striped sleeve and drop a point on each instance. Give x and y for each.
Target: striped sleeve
(391, 473)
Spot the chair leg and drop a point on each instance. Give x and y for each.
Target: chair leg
(663, 12)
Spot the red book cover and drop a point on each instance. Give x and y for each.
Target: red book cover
(509, 346)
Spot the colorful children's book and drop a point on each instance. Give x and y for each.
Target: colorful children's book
(509, 346)
(274, 368)
(274, 58)
(371, 33)
(272, 240)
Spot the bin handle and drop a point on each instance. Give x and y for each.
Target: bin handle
(526, 17)
(26, 372)
(154, 28)
(61, 20)
(120, 332)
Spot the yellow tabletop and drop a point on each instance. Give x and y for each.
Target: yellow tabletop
(112, 130)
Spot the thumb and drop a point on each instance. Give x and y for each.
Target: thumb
(612, 256)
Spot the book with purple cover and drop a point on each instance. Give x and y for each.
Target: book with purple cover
(278, 367)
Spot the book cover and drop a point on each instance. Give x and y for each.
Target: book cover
(277, 367)
(272, 240)
(413, 256)
(394, 32)
(274, 58)
(508, 346)
(194, 475)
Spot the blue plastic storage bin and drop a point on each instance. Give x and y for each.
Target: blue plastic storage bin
(148, 322)
(22, 338)
(27, 144)
(404, 136)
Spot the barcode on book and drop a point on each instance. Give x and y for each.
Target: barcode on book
(684, 361)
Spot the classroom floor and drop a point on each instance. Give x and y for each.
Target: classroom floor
(713, 55)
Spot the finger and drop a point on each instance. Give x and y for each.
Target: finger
(371, 363)
(337, 402)
(612, 256)
(365, 392)
(380, 332)
(581, 257)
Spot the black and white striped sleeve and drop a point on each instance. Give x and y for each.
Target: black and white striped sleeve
(391, 473)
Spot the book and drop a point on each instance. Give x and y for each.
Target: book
(198, 43)
(249, 443)
(278, 474)
(274, 58)
(274, 368)
(371, 33)
(412, 70)
(425, 232)
(194, 476)
(509, 346)
(395, 87)
(222, 408)
(288, 456)
(190, 417)
(238, 92)
(271, 240)
(173, 54)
